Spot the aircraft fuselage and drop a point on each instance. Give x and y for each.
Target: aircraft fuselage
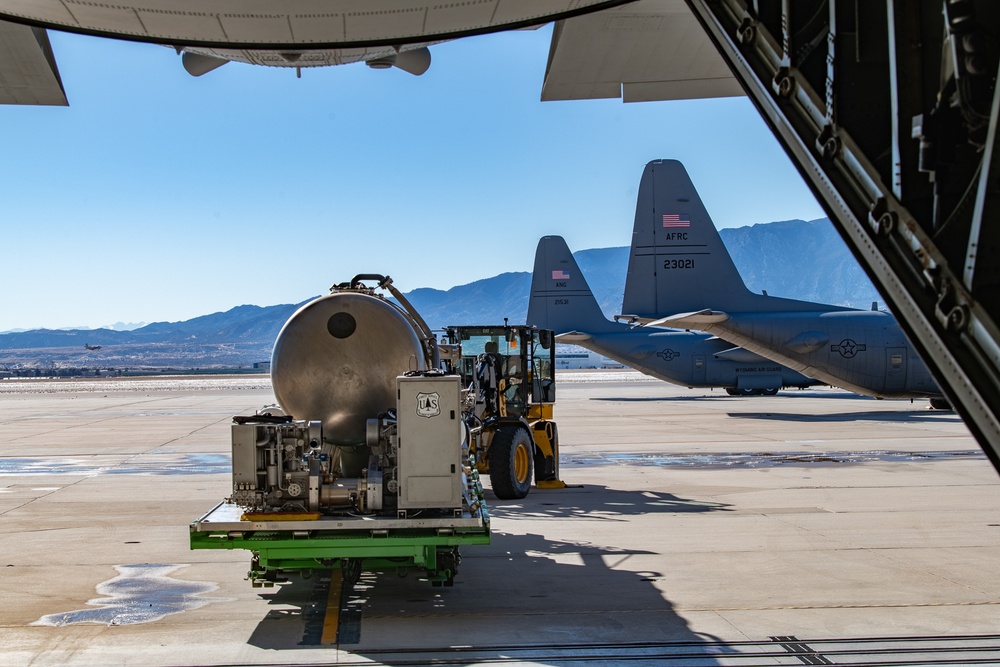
(862, 351)
(692, 360)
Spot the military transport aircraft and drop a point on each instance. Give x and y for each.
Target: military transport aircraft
(561, 300)
(296, 34)
(681, 275)
(920, 233)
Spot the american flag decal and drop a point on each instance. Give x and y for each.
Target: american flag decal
(675, 220)
(560, 275)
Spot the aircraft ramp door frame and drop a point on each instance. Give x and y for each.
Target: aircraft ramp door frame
(849, 89)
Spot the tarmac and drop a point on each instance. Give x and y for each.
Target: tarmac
(813, 527)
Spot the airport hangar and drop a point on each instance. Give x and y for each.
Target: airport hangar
(888, 109)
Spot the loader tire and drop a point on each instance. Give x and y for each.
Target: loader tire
(511, 459)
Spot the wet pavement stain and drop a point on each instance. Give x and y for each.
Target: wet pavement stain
(766, 459)
(184, 464)
(139, 594)
(190, 464)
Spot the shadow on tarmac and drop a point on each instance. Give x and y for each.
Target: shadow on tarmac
(523, 595)
(722, 396)
(902, 416)
(592, 502)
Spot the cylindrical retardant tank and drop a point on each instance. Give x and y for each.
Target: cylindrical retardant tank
(336, 361)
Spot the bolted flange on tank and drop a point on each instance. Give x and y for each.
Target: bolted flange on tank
(336, 361)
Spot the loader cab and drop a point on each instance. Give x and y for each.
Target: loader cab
(518, 362)
(509, 375)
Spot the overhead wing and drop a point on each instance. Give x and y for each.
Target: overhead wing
(287, 33)
(28, 72)
(290, 25)
(648, 50)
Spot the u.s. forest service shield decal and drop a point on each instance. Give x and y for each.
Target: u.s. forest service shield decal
(428, 404)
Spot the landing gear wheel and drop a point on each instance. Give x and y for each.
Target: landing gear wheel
(732, 391)
(511, 462)
(769, 392)
(940, 404)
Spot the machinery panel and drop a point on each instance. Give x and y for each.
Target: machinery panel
(430, 441)
(245, 454)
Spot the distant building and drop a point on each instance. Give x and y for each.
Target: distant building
(262, 366)
(574, 356)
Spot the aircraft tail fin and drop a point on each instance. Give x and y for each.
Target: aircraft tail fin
(678, 261)
(561, 299)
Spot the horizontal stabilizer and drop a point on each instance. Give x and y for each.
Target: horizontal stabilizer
(573, 337)
(634, 320)
(694, 320)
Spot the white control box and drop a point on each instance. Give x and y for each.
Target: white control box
(429, 441)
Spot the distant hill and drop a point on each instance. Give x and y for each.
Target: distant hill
(800, 260)
(794, 259)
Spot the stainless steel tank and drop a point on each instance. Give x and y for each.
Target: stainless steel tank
(336, 361)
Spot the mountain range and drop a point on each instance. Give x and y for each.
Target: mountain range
(796, 259)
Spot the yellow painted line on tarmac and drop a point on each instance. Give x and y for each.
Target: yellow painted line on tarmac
(331, 620)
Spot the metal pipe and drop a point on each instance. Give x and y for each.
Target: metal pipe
(430, 339)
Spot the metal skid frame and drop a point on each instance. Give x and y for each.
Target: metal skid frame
(430, 545)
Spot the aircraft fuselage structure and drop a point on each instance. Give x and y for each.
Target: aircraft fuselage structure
(863, 352)
(681, 275)
(690, 359)
(561, 300)
(295, 34)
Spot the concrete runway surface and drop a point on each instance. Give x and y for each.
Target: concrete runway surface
(813, 527)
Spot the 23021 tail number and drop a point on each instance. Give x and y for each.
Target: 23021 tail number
(678, 263)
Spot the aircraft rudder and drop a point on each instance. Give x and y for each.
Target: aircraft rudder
(561, 298)
(678, 262)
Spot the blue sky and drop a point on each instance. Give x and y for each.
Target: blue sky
(159, 196)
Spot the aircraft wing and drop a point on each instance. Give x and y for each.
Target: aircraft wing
(28, 72)
(644, 51)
